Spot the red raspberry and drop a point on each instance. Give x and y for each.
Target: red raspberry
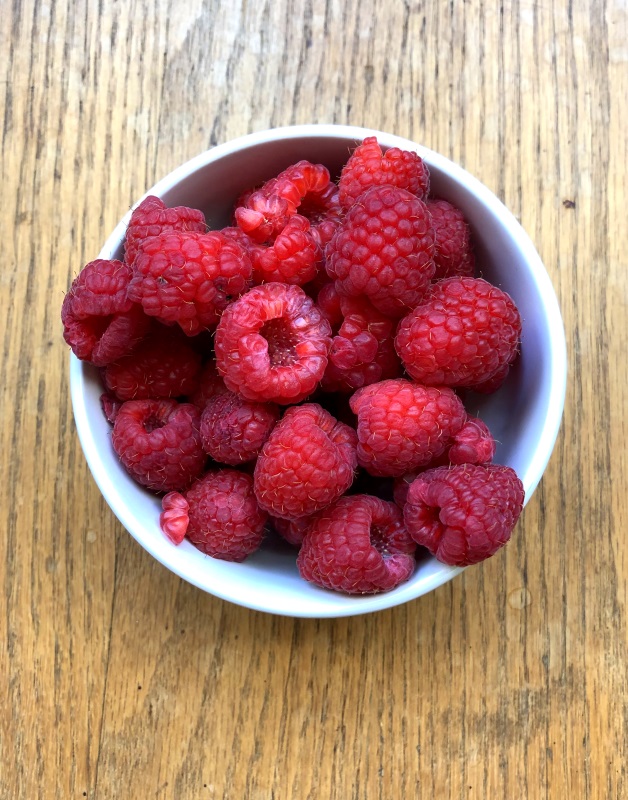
(384, 249)
(358, 545)
(493, 383)
(210, 384)
(189, 278)
(222, 518)
(292, 530)
(402, 485)
(368, 166)
(293, 257)
(472, 444)
(159, 444)
(269, 208)
(362, 350)
(464, 514)
(306, 464)
(110, 406)
(233, 429)
(164, 365)
(272, 343)
(100, 323)
(151, 217)
(463, 333)
(453, 254)
(402, 426)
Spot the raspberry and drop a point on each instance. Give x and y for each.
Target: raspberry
(210, 384)
(162, 366)
(368, 166)
(159, 444)
(189, 278)
(306, 464)
(110, 406)
(472, 444)
(464, 514)
(222, 518)
(453, 254)
(402, 485)
(269, 208)
(100, 323)
(383, 249)
(463, 333)
(292, 530)
(402, 426)
(151, 217)
(293, 257)
(233, 429)
(359, 545)
(272, 343)
(362, 350)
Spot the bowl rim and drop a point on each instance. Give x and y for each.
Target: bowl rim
(347, 605)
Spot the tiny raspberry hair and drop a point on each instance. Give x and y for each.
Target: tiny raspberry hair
(464, 514)
(307, 463)
(369, 166)
(151, 217)
(272, 343)
(359, 545)
(189, 278)
(453, 252)
(465, 332)
(384, 249)
(158, 443)
(164, 365)
(233, 429)
(100, 323)
(402, 425)
(219, 515)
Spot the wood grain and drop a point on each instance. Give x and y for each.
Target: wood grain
(122, 681)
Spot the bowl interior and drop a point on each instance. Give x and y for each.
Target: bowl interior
(524, 415)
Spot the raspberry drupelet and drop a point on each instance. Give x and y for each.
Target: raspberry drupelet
(465, 332)
(308, 462)
(233, 429)
(272, 344)
(219, 515)
(369, 166)
(359, 545)
(189, 278)
(384, 249)
(158, 443)
(464, 514)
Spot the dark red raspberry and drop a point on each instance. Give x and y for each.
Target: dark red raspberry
(110, 406)
(359, 545)
(294, 257)
(269, 208)
(453, 253)
(163, 365)
(402, 485)
(362, 350)
(368, 166)
(384, 249)
(472, 444)
(100, 323)
(189, 278)
(292, 530)
(272, 343)
(306, 464)
(463, 333)
(151, 217)
(159, 444)
(210, 384)
(493, 383)
(233, 429)
(464, 514)
(402, 426)
(222, 518)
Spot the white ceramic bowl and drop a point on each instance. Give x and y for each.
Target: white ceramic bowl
(524, 416)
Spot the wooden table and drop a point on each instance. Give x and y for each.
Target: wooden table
(122, 681)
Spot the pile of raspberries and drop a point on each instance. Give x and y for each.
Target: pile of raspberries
(299, 374)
